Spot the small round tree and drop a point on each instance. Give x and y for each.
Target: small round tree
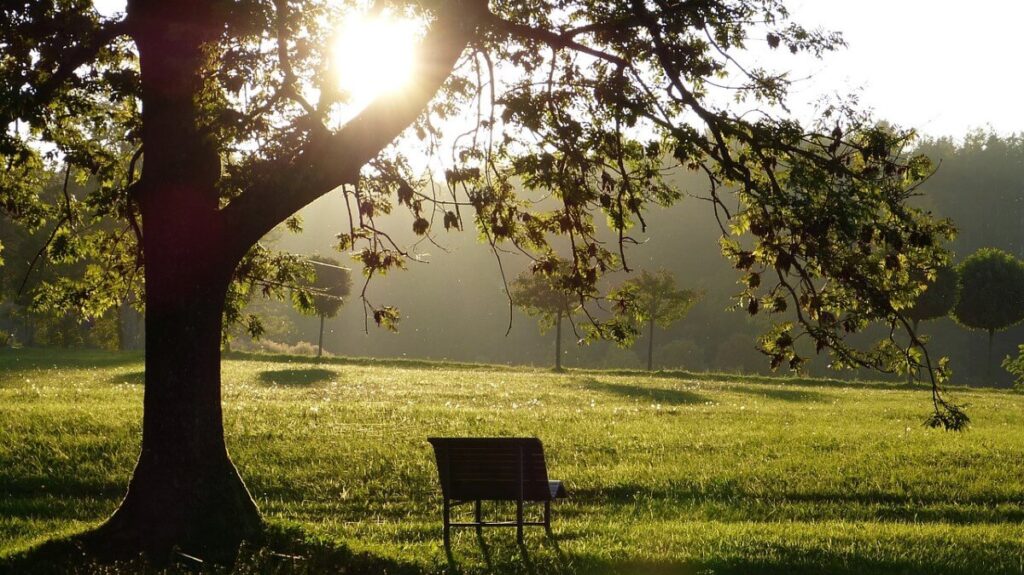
(536, 294)
(656, 300)
(938, 299)
(991, 293)
(332, 285)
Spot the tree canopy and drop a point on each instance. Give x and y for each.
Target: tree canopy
(655, 299)
(991, 291)
(538, 294)
(203, 124)
(332, 285)
(938, 298)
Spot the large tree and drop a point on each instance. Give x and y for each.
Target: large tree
(656, 300)
(203, 124)
(991, 294)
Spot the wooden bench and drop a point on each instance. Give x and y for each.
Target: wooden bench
(476, 469)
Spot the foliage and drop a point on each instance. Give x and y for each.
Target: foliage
(1016, 368)
(541, 294)
(991, 291)
(267, 273)
(328, 291)
(655, 297)
(626, 444)
(938, 298)
(978, 186)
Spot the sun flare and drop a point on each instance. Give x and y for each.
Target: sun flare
(374, 55)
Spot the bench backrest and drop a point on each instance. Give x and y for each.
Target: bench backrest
(491, 468)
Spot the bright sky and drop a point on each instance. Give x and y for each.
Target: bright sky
(942, 66)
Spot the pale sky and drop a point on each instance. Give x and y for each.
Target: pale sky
(941, 66)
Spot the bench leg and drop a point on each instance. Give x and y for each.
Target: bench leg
(519, 520)
(547, 516)
(447, 524)
(478, 514)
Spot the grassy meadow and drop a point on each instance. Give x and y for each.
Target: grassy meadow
(675, 473)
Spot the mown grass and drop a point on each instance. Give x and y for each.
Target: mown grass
(677, 473)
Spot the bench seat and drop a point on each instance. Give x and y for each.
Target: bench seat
(476, 469)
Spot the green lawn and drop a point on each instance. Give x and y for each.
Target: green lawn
(679, 473)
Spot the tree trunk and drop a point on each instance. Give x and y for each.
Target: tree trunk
(650, 347)
(558, 342)
(988, 362)
(184, 492)
(320, 342)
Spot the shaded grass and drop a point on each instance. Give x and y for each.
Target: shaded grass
(301, 377)
(666, 474)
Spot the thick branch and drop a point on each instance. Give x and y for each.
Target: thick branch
(331, 160)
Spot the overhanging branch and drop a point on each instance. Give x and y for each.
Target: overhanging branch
(333, 159)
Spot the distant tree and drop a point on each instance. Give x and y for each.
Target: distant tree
(538, 294)
(656, 300)
(991, 293)
(332, 285)
(938, 299)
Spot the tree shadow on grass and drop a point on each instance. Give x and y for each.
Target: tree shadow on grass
(716, 377)
(26, 359)
(642, 393)
(297, 377)
(547, 558)
(130, 378)
(288, 550)
(281, 550)
(792, 395)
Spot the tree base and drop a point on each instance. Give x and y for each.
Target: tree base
(202, 510)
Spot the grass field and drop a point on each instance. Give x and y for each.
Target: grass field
(679, 473)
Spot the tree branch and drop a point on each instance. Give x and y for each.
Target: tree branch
(552, 39)
(334, 159)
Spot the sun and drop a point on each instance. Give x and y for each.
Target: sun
(374, 56)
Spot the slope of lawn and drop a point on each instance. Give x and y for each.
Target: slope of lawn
(679, 473)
